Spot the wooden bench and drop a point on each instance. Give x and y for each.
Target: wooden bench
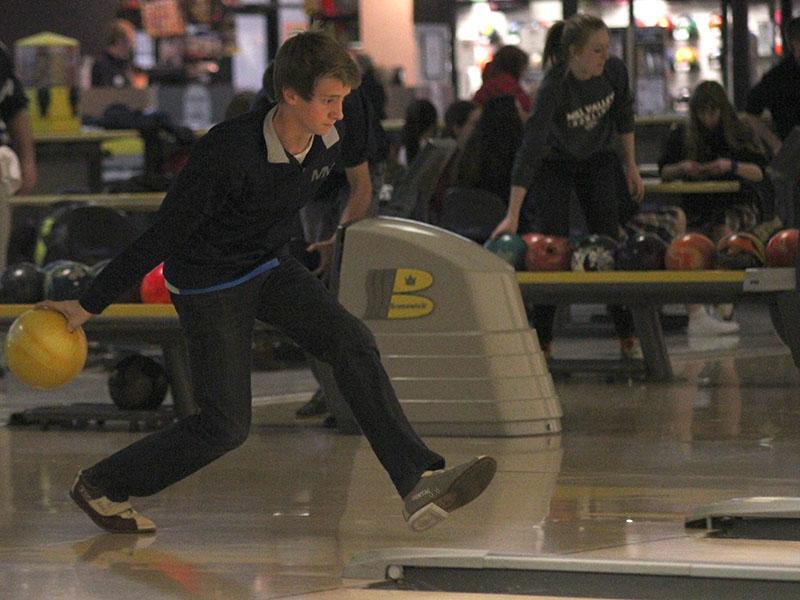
(645, 291)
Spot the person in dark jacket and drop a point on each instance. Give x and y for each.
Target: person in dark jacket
(583, 104)
(114, 66)
(488, 155)
(221, 232)
(779, 88)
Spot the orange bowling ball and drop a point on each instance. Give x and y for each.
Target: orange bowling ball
(782, 248)
(153, 289)
(690, 252)
(40, 351)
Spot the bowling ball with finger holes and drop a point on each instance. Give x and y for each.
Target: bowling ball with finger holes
(547, 252)
(41, 352)
(138, 383)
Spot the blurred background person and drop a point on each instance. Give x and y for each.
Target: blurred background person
(779, 88)
(489, 152)
(502, 76)
(18, 165)
(421, 124)
(114, 66)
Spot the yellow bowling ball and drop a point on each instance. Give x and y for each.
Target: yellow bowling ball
(41, 352)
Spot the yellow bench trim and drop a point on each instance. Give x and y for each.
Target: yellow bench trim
(115, 310)
(611, 277)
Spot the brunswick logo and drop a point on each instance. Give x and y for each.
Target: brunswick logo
(392, 294)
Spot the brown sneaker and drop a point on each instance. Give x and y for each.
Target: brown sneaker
(116, 517)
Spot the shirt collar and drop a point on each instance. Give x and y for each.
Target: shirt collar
(275, 150)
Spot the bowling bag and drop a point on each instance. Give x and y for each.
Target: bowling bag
(82, 233)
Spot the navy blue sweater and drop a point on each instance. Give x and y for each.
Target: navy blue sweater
(229, 210)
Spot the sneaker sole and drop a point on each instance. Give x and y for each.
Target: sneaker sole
(82, 504)
(463, 490)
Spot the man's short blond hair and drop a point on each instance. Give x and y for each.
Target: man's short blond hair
(307, 57)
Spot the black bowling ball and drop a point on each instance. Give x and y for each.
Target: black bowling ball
(66, 280)
(641, 252)
(138, 383)
(22, 283)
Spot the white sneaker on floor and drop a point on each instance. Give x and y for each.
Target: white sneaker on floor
(630, 349)
(723, 311)
(713, 343)
(701, 323)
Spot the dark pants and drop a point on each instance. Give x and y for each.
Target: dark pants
(600, 187)
(218, 328)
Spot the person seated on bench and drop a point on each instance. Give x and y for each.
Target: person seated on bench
(715, 145)
(584, 103)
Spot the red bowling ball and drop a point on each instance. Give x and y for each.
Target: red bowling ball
(690, 252)
(782, 248)
(547, 252)
(153, 288)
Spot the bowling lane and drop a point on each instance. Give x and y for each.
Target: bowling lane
(283, 515)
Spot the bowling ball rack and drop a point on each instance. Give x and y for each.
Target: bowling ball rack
(81, 416)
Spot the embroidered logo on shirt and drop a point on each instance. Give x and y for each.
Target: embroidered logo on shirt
(320, 173)
(589, 116)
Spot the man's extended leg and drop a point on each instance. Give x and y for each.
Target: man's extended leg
(298, 304)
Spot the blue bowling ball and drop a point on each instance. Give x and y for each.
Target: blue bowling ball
(510, 247)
